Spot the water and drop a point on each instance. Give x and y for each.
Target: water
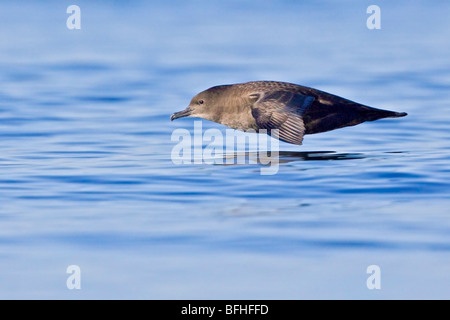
(86, 177)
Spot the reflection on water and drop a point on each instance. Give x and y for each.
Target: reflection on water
(263, 157)
(86, 174)
(288, 156)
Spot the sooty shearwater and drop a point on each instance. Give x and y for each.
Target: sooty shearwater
(292, 109)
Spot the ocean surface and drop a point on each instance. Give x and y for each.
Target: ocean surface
(87, 177)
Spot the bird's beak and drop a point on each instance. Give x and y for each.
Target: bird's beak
(185, 113)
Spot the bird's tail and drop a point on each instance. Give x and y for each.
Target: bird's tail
(375, 114)
(324, 117)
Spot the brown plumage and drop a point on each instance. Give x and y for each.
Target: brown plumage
(292, 109)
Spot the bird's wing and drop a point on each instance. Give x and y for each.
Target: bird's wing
(281, 110)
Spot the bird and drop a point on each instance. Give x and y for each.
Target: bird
(292, 109)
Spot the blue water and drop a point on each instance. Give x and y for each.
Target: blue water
(86, 175)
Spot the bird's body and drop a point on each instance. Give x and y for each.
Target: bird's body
(292, 109)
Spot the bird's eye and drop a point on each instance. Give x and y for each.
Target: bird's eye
(201, 101)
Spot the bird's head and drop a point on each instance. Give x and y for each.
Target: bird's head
(207, 105)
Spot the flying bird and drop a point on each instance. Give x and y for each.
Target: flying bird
(292, 109)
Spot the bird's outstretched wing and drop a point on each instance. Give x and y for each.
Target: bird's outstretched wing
(281, 110)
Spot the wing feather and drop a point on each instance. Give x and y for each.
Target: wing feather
(282, 110)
